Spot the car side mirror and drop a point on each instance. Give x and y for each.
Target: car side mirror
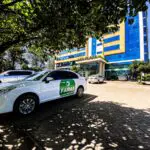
(48, 79)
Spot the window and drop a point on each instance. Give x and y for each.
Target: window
(145, 14)
(145, 39)
(55, 75)
(60, 75)
(145, 22)
(145, 30)
(25, 72)
(70, 75)
(19, 73)
(13, 73)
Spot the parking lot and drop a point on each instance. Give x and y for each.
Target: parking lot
(113, 115)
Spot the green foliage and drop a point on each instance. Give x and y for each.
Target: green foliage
(4, 64)
(75, 68)
(36, 69)
(24, 66)
(146, 77)
(145, 68)
(60, 24)
(138, 67)
(10, 58)
(15, 54)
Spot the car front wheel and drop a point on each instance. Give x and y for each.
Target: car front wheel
(25, 104)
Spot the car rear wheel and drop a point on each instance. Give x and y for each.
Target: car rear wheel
(26, 105)
(80, 92)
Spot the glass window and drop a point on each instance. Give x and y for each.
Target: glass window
(145, 22)
(55, 75)
(145, 30)
(144, 14)
(25, 72)
(145, 39)
(71, 75)
(13, 73)
(60, 75)
(19, 73)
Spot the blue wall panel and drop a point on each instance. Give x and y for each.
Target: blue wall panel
(99, 53)
(112, 39)
(110, 48)
(145, 36)
(132, 43)
(148, 18)
(94, 41)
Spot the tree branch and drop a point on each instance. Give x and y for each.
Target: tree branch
(4, 46)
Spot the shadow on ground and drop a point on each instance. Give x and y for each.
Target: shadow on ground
(78, 124)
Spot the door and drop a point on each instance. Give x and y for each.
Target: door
(68, 84)
(64, 84)
(50, 90)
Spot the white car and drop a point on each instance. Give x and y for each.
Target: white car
(15, 75)
(24, 96)
(96, 79)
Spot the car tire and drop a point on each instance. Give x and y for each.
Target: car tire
(26, 104)
(80, 92)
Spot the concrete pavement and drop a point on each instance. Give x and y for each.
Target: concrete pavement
(112, 116)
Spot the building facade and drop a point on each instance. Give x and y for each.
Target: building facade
(131, 42)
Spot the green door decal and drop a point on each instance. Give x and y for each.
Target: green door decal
(67, 87)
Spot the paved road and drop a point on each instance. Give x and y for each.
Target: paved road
(103, 119)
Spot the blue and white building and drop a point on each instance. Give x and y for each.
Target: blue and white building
(131, 42)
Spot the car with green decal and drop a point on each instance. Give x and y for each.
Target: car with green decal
(24, 96)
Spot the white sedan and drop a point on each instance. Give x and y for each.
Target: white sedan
(96, 79)
(24, 96)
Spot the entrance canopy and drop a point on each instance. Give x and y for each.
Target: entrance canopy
(91, 60)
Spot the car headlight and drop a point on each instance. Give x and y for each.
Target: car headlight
(6, 90)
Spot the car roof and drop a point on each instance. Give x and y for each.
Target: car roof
(19, 70)
(67, 71)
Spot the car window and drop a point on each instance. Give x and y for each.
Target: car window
(25, 72)
(60, 75)
(36, 76)
(19, 73)
(13, 73)
(55, 75)
(71, 75)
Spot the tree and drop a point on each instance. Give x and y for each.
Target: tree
(5, 64)
(75, 68)
(134, 69)
(139, 67)
(60, 24)
(11, 58)
(15, 55)
(144, 68)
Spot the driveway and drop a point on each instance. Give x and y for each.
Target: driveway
(113, 115)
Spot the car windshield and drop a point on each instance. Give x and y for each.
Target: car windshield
(36, 76)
